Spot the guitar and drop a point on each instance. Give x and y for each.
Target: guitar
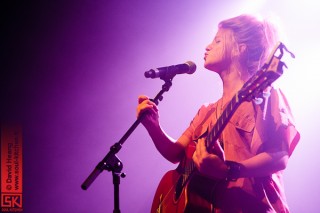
(179, 190)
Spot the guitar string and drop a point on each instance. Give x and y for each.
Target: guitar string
(219, 118)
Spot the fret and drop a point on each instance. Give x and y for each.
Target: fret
(222, 121)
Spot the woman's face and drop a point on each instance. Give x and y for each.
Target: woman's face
(215, 56)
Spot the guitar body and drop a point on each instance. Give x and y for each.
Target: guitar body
(164, 199)
(184, 189)
(196, 195)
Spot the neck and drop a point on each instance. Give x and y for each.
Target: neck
(232, 82)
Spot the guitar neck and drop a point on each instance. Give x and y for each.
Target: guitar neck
(222, 121)
(253, 88)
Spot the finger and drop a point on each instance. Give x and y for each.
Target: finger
(154, 105)
(143, 108)
(195, 159)
(148, 107)
(142, 98)
(202, 147)
(197, 151)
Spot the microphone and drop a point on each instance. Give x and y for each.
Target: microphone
(170, 71)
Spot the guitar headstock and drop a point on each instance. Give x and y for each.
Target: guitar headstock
(264, 77)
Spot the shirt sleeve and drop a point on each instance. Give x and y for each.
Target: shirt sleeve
(275, 126)
(194, 129)
(284, 120)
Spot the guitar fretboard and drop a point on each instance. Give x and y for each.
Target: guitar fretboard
(222, 121)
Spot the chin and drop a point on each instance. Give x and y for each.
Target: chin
(214, 67)
(209, 67)
(206, 65)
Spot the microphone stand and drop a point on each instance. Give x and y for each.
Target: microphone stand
(111, 162)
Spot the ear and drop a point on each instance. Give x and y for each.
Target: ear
(242, 48)
(239, 50)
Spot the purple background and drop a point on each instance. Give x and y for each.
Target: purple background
(72, 72)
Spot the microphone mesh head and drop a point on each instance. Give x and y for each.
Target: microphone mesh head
(192, 67)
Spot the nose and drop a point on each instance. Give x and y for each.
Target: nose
(208, 47)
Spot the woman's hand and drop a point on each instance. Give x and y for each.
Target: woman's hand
(211, 165)
(150, 109)
(167, 146)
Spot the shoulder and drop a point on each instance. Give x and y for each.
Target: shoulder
(205, 108)
(280, 107)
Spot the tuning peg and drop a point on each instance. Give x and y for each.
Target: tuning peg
(258, 101)
(266, 94)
